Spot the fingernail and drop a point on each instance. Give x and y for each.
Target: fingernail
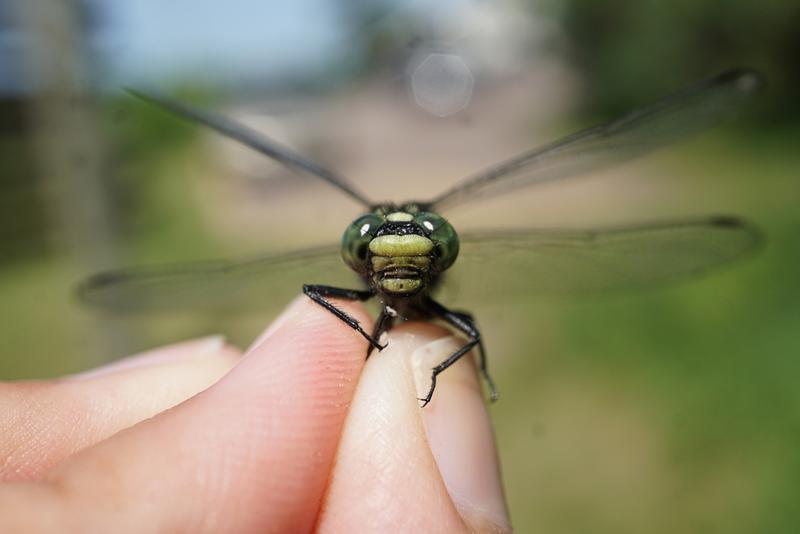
(197, 348)
(460, 434)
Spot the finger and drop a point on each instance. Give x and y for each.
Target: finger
(400, 467)
(250, 454)
(43, 422)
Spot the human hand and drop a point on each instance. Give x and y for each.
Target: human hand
(298, 435)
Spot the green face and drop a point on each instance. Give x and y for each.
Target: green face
(401, 249)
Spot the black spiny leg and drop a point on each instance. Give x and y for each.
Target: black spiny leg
(465, 323)
(467, 317)
(318, 293)
(382, 324)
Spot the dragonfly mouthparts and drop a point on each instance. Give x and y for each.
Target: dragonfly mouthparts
(400, 273)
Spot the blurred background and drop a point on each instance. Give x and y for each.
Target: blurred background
(675, 410)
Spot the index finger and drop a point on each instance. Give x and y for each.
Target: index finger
(252, 453)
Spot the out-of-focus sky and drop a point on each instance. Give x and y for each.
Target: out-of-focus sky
(141, 40)
(240, 41)
(152, 38)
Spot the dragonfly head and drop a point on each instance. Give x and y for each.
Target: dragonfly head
(401, 249)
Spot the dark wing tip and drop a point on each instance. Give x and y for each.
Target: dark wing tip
(82, 291)
(141, 95)
(744, 79)
(727, 221)
(156, 99)
(86, 289)
(738, 224)
(160, 101)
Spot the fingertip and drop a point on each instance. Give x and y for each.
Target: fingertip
(439, 461)
(306, 315)
(305, 352)
(461, 437)
(383, 452)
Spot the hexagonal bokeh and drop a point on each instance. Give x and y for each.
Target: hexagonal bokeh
(441, 84)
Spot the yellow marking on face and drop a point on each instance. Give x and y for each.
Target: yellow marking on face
(401, 285)
(401, 245)
(400, 216)
(382, 263)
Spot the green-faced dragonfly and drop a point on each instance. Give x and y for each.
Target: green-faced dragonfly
(401, 250)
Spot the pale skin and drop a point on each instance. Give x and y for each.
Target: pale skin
(298, 434)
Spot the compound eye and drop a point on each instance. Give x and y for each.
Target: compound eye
(356, 238)
(443, 236)
(430, 222)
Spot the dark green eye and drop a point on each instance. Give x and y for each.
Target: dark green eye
(444, 238)
(356, 238)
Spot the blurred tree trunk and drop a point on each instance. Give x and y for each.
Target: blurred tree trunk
(69, 147)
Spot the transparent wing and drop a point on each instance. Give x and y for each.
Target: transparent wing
(260, 282)
(523, 264)
(682, 114)
(254, 140)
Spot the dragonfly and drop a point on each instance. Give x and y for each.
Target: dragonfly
(402, 252)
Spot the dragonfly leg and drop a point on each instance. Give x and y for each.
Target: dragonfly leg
(382, 324)
(467, 317)
(317, 293)
(465, 323)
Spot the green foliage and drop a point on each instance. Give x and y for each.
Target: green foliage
(23, 222)
(144, 139)
(631, 50)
